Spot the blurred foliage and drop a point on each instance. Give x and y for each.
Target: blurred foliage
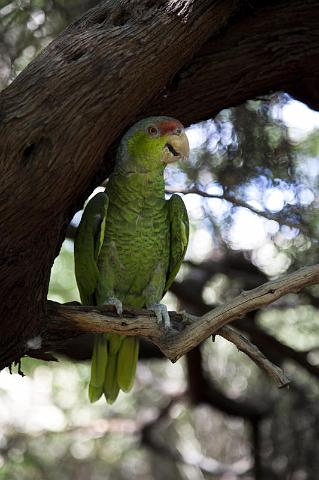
(259, 163)
(27, 26)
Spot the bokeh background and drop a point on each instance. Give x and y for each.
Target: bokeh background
(254, 174)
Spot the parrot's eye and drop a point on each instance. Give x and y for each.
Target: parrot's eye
(178, 131)
(152, 131)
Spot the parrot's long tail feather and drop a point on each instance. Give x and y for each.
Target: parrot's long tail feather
(98, 367)
(111, 387)
(114, 361)
(126, 363)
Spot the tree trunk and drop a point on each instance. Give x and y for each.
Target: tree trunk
(120, 61)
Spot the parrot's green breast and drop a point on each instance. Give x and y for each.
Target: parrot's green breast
(137, 237)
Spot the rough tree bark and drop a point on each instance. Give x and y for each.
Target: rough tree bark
(120, 61)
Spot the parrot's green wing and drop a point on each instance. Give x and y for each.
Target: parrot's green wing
(87, 246)
(179, 233)
(88, 241)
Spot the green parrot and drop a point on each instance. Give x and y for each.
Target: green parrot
(130, 244)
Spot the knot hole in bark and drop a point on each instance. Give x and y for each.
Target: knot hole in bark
(120, 17)
(27, 154)
(76, 55)
(39, 146)
(100, 18)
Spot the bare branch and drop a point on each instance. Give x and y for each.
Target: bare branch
(271, 343)
(281, 219)
(246, 302)
(67, 321)
(247, 347)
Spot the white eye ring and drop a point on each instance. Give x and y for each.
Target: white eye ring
(152, 131)
(178, 131)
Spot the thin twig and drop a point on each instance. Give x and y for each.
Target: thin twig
(247, 347)
(281, 219)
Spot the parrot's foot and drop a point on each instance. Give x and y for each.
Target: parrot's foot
(162, 315)
(117, 304)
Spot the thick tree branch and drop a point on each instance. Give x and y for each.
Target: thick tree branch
(67, 321)
(268, 46)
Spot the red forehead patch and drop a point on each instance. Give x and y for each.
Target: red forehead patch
(169, 126)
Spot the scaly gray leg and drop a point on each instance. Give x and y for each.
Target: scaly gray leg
(162, 315)
(117, 304)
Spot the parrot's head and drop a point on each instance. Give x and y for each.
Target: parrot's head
(152, 143)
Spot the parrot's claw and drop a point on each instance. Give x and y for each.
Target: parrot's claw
(117, 304)
(162, 315)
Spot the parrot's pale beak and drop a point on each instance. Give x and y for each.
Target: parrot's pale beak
(176, 148)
